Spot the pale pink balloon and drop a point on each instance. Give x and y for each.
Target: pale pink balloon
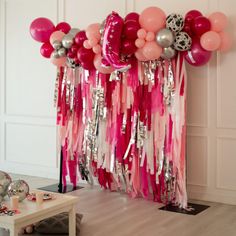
(93, 31)
(218, 21)
(152, 50)
(139, 43)
(152, 19)
(139, 55)
(59, 62)
(93, 41)
(97, 49)
(97, 61)
(226, 42)
(150, 36)
(210, 41)
(141, 33)
(56, 36)
(86, 44)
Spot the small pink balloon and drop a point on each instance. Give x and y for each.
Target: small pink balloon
(46, 50)
(97, 49)
(139, 55)
(93, 31)
(152, 50)
(41, 29)
(226, 42)
(191, 15)
(152, 19)
(80, 38)
(218, 21)
(93, 42)
(139, 43)
(56, 36)
(141, 33)
(98, 65)
(150, 36)
(64, 27)
(210, 41)
(86, 44)
(132, 16)
(59, 62)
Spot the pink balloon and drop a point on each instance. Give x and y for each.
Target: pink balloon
(139, 55)
(41, 29)
(210, 41)
(56, 36)
(97, 49)
(152, 50)
(128, 47)
(150, 36)
(201, 25)
(64, 27)
(191, 15)
(46, 50)
(141, 33)
(86, 44)
(88, 65)
(130, 30)
(85, 55)
(74, 48)
(226, 41)
(93, 42)
(98, 65)
(152, 19)
(132, 16)
(218, 21)
(80, 38)
(59, 62)
(197, 56)
(93, 31)
(139, 43)
(71, 55)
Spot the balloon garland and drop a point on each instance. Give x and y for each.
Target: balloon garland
(120, 94)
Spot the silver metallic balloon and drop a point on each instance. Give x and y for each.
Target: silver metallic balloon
(55, 54)
(68, 40)
(165, 38)
(168, 53)
(101, 30)
(74, 31)
(18, 188)
(56, 44)
(5, 180)
(61, 52)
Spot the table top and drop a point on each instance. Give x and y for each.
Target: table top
(29, 209)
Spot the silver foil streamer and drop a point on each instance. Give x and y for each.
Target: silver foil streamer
(55, 99)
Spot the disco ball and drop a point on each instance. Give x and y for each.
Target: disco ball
(18, 188)
(5, 181)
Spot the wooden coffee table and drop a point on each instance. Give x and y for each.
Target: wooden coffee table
(31, 213)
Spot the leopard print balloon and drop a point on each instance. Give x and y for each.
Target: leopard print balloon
(175, 22)
(182, 41)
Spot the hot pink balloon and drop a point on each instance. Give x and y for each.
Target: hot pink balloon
(46, 50)
(152, 19)
(71, 55)
(59, 62)
(74, 48)
(152, 50)
(93, 31)
(150, 36)
(139, 55)
(128, 47)
(132, 16)
(191, 15)
(80, 38)
(201, 25)
(64, 27)
(218, 21)
(85, 55)
(88, 65)
(141, 33)
(87, 45)
(139, 43)
(41, 29)
(98, 65)
(56, 36)
(130, 29)
(97, 49)
(226, 42)
(197, 56)
(210, 41)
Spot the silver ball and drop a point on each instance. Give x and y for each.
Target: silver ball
(68, 40)
(5, 181)
(62, 52)
(74, 31)
(18, 188)
(165, 38)
(102, 26)
(55, 54)
(56, 44)
(168, 53)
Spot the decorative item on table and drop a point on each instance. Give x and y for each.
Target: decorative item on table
(4, 211)
(5, 181)
(18, 188)
(46, 196)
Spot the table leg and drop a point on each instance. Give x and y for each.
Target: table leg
(14, 231)
(72, 219)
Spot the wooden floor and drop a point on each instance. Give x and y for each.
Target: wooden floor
(115, 214)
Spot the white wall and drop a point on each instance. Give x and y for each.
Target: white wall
(27, 117)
